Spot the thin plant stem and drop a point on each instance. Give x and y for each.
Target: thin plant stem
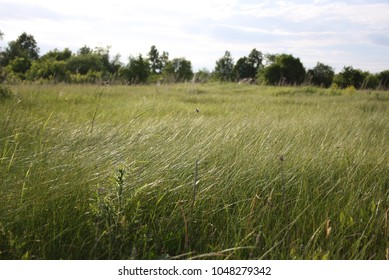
(195, 184)
(97, 106)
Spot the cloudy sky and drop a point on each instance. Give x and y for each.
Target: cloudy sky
(338, 33)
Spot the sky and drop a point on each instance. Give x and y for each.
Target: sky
(337, 33)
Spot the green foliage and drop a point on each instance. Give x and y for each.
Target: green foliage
(83, 63)
(370, 81)
(178, 70)
(137, 70)
(20, 66)
(383, 78)
(248, 67)
(85, 50)
(155, 60)
(321, 75)
(49, 69)
(57, 55)
(202, 76)
(224, 69)
(20, 61)
(5, 92)
(271, 75)
(349, 77)
(286, 70)
(90, 77)
(24, 48)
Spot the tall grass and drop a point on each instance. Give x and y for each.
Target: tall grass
(157, 179)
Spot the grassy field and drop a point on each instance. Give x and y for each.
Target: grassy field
(136, 172)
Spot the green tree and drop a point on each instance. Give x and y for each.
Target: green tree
(243, 69)
(285, 70)
(349, 77)
(85, 50)
(137, 70)
(370, 81)
(321, 75)
(82, 64)
(271, 74)
(155, 60)
(20, 53)
(178, 70)
(256, 58)
(57, 55)
(110, 67)
(270, 58)
(164, 59)
(248, 67)
(383, 78)
(202, 76)
(49, 69)
(224, 69)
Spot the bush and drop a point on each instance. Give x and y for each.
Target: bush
(5, 92)
(350, 90)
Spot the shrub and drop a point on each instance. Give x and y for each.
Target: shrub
(350, 90)
(5, 92)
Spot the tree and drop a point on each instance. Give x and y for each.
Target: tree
(23, 50)
(137, 70)
(370, 81)
(255, 59)
(82, 64)
(178, 69)
(110, 67)
(57, 55)
(202, 76)
(155, 60)
(49, 69)
(349, 77)
(224, 69)
(243, 69)
(271, 74)
(321, 75)
(383, 78)
(270, 58)
(85, 50)
(164, 59)
(248, 67)
(285, 69)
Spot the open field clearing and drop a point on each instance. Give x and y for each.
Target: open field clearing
(183, 171)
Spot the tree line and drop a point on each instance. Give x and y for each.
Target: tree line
(20, 61)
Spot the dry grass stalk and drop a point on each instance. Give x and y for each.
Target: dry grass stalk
(186, 228)
(195, 184)
(328, 228)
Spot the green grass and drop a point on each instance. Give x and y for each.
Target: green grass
(125, 189)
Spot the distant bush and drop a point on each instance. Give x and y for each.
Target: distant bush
(5, 92)
(321, 75)
(334, 90)
(350, 90)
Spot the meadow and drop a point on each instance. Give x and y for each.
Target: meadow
(190, 171)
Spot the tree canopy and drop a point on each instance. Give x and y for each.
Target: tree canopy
(224, 67)
(321, 75)
(285, 70)
(20, 60)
